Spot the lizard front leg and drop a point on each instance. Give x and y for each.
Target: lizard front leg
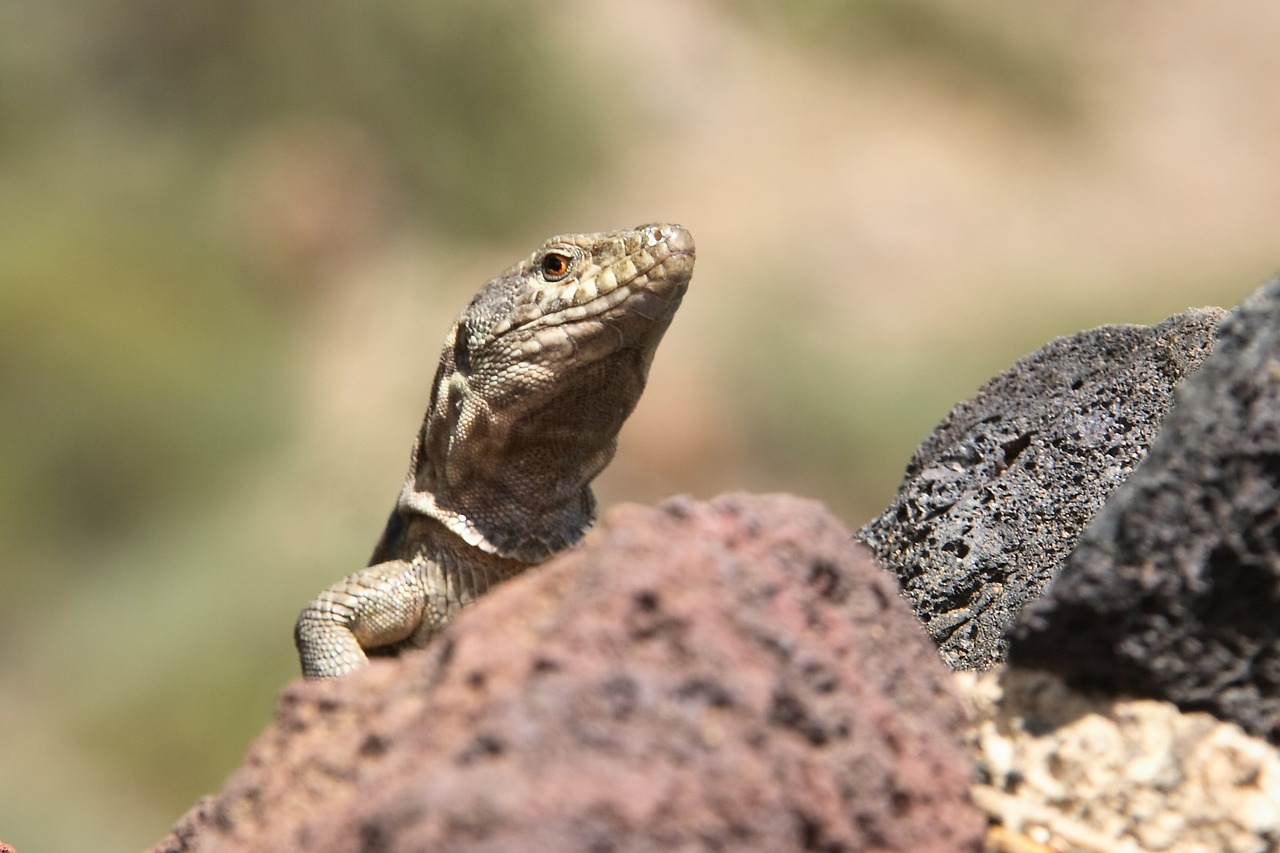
(381, 604)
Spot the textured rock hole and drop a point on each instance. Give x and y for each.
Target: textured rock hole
(647, 620)
(811, 833)
(545, 666)
(915, 535)
(941, 510)
(957, 547)
(893, 742)
(882, 600)
(871, 834)
(1237, 587)
(647, 601)
(621, 694)
(819, 677)
(704, 690)
(824, 577)
(1077, 384)
(222, 818)
(484, 746)
(374, 838)
(1013, 449)
(790, 713)
(1269, 466)
(374, 746)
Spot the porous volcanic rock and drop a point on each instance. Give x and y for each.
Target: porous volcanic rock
(994, 500)
(738, 675)
(1174, 590)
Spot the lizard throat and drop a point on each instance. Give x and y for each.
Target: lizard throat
(525, 549)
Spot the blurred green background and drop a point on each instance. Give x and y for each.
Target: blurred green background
(234, 233)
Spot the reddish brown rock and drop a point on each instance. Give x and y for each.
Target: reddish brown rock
(731, 676)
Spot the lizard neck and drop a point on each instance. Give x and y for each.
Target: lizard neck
(542, 511)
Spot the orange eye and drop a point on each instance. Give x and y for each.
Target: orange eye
(555, 265)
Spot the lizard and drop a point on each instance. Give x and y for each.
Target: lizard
(535, 380)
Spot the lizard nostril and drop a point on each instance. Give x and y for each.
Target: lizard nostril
(677, 237)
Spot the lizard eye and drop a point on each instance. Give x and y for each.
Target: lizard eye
(555, 265)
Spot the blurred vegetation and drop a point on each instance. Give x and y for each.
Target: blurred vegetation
(146, 327)
(959, 45)
(117, 120)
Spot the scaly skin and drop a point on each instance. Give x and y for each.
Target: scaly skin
(536, 379)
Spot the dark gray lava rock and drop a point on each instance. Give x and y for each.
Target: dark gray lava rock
(995, 499)
(1174, 590)
(738, 675)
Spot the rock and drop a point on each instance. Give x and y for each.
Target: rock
(1088, 773)
(995, 499)
(733, 675)
(1174, 590)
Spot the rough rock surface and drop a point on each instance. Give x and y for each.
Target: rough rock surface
(995, 499)
(734, 675)
(1100, 775)
(1174, 591)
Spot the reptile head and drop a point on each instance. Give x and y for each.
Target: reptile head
(536, 379)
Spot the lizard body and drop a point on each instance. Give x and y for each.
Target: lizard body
(535, 380)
